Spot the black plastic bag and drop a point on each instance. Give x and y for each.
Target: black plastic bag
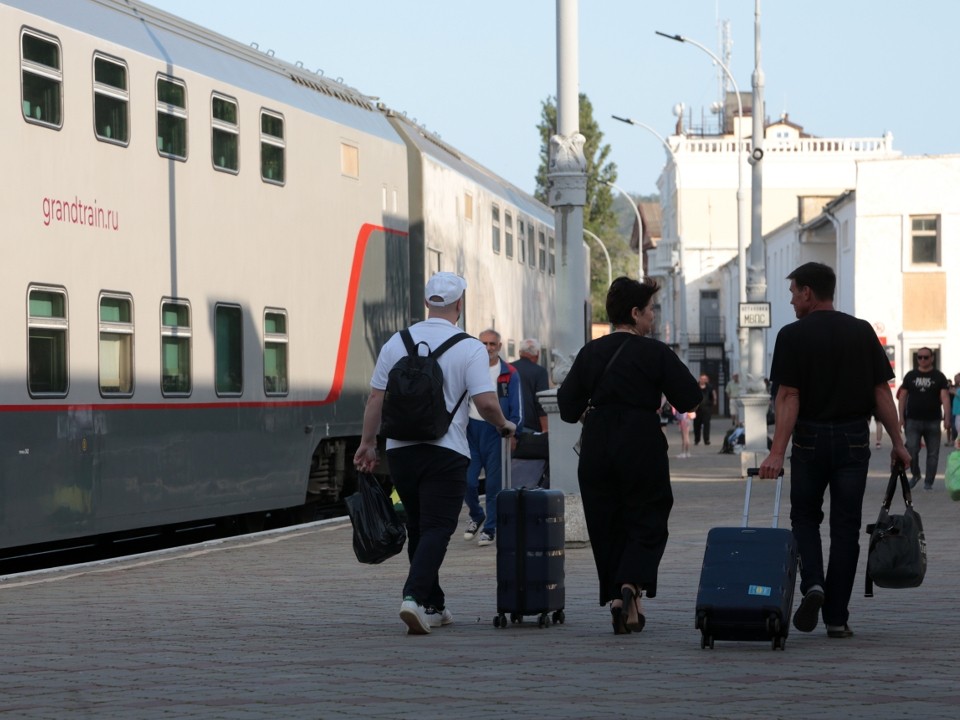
(897, 555)
(378, 533)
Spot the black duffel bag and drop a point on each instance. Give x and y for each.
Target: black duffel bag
(897, 555)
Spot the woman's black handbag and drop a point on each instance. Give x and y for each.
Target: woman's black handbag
(378, 533)
(897, 555)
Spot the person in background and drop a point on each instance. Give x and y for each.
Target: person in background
(486, 445)
(955, 408)
(831, 374)
(701, 423)
(733, 395)
(614, 386)
(684, 421)
(431, 477)
(924, 403)
(533, 379)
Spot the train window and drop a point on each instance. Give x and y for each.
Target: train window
(521, 240)
(495, 228)
(275, 380)
(116, 345)
(468, 207)
(175, 341)
(272, 148)
(226, 133)
(228, 330)
(349, 160)
(531, 246)
(508, 234)
(171, 118)
(47, 342)
(551, 256)
(41, 90)
(111, 100)
(541, 251)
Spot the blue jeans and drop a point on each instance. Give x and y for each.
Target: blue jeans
(485, 443)
(834, 456)
(929, 430)
(430, 481)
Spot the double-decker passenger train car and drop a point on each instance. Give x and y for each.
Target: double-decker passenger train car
(204, 249)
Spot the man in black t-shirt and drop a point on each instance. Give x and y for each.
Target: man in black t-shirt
(924, 400)
(831, 375)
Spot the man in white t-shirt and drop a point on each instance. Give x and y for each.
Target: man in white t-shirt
(431, 476)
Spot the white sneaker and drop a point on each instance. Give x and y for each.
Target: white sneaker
(486, 539)
(436, 618)
(472, 527)
(415, 618)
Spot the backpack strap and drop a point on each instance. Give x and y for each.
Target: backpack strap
(441, 349)
(448, 343)
(408, 342)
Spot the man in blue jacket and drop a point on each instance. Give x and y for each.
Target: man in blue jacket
(485, 443)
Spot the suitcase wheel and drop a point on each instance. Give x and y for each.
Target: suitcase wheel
(543, 621)
(500, 621)
(706, 641)
(778, 643)
(516, 618)
(558, 617)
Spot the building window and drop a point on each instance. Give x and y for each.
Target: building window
(171, 118)
(275, 381)
(551, 256)
(521, 241)
(175, 340)
(116, 345)
(111, 100)
(47, 342)
(468, 207)
(228, 330)
(42, 80)
(508, 234)
(272, 148)
(541, 251)
(531, 246)
(349, 160)
(925, 240)
(225, 146)
(495, 228)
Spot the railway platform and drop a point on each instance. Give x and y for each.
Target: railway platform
(287, 624)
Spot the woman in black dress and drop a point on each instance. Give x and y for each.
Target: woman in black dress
(615, 387)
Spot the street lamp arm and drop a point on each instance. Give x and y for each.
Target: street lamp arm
(678, 38)
(636, 211)
(605, 254)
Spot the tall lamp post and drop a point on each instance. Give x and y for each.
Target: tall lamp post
(605, 254)
(742, 227)
(636, 211)
(684, 337)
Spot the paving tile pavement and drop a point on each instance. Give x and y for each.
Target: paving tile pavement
(289, 625)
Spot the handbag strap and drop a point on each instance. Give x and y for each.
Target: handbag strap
(897, 474)
(604, 373)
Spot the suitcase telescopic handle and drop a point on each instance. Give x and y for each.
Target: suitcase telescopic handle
(751, 472)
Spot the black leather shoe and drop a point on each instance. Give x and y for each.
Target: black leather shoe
(839, 631)
(806, 617)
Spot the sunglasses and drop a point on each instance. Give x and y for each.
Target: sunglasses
(924, 357)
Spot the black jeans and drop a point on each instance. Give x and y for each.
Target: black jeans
(834, 456)
(431, 482)
(702, 422)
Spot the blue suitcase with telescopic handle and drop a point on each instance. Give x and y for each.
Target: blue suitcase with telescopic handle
(747, 580)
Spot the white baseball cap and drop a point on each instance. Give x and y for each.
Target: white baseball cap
(446, 286)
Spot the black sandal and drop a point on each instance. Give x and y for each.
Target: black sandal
(631, 594)
(619, 620)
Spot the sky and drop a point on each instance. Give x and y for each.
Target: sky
(477, 73)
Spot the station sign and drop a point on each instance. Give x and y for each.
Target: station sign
(755, 315)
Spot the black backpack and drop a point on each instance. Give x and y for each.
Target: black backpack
(413, 404)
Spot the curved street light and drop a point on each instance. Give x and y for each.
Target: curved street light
(741, 194)
(636, 211)
(605, 254)
(684, 337)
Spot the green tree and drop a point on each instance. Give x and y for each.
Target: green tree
(599, 216)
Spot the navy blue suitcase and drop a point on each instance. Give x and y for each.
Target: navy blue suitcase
(530, 552)
(747, 581)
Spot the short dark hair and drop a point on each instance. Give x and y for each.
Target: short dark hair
(625, 294)
(820, 278)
